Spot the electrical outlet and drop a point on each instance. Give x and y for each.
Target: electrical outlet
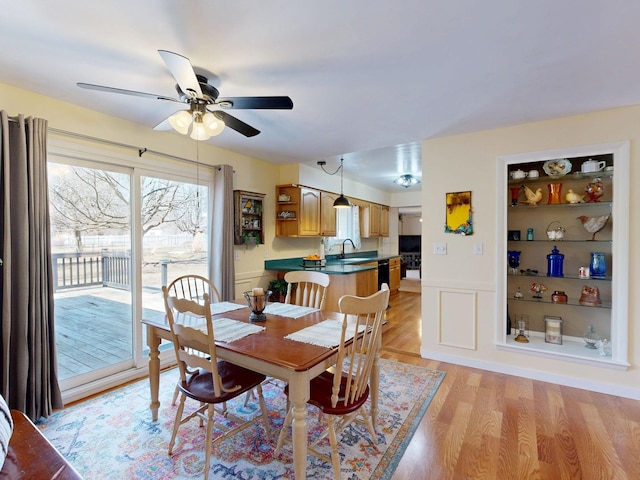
(477, 248)
(440, 248)
(266, 253)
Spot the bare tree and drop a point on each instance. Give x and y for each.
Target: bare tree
(89, 201)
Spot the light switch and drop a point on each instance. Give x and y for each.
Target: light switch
(477, 248)
(237, 255)
(440, 248)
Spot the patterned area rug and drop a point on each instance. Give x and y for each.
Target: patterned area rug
(112, 436)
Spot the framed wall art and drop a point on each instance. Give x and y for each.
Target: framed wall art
(459, 213)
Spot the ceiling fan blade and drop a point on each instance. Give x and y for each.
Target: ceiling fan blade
(164, 125)
(102, 88)
(271, 103)
(182, 70)
(237, 125)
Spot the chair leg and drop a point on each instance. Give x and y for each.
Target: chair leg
(283, 433)
(207, 445)
(335, 457)
(367, 420)
(175, 396)
(176, 422)
(263, 409)
(248, 397)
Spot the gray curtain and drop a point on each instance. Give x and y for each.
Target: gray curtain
(222, 270)
(27, 351)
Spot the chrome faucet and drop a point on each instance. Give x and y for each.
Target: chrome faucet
(345, 241)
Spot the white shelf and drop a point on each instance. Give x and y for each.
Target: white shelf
(572, 349)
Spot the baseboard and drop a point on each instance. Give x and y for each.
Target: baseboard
(606, 388)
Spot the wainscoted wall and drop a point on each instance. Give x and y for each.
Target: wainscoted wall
(457, 318)
(469, 162)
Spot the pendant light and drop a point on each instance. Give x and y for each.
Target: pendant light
(341, 201)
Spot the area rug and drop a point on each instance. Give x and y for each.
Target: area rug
(112, 436)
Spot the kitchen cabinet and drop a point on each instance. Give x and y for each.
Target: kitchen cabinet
(361, 284)
(248, 220)
(554, 247)
(307, 212)
(394, 274)
(384, 220)
(297, 211)
(328, 214)
(370, 220)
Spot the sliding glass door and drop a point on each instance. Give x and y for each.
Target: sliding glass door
(119, 233)
(91, 257)
(175, 237)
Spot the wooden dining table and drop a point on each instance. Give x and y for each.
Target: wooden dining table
(270, 353)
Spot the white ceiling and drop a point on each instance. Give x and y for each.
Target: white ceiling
(368, 78)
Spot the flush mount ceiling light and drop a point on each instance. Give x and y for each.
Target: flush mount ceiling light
(341, 201)
(204, 124)
(406, 180)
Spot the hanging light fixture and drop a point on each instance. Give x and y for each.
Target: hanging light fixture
(406, 180)
(341, 201)
(204, 124)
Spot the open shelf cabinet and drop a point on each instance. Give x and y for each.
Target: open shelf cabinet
(553, 212)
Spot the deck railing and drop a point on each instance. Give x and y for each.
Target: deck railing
(77, 270)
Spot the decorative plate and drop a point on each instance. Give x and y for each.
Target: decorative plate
(557, 168)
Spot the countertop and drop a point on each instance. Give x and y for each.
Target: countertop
(352, 263)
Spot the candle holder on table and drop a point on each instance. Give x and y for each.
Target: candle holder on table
(257, 300)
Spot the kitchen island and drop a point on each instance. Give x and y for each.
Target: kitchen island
(356, 274)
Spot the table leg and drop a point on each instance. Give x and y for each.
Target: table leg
(153, 342)
(298, 396)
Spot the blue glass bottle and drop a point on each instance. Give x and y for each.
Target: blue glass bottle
(597, 267)
(554, 263)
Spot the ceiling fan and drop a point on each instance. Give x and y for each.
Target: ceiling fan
(195, 91)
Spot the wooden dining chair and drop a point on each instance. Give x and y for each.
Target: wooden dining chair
(192, 287)
(307, 288)
(341, 392)
(204, 378)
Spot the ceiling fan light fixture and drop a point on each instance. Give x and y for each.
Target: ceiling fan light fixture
(406, 180)
(199, 130)
(181, 121)
(213, 125)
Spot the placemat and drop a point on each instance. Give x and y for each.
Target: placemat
(224, 307)
(324, 334)
(228, 330)
(288, 310)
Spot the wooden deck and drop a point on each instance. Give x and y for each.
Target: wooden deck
(94, 327)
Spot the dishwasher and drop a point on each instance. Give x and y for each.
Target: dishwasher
(383, 272)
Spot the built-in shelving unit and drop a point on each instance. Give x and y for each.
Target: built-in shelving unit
(248, 211)
(553, 213)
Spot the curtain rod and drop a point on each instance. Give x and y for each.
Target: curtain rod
(141, 150)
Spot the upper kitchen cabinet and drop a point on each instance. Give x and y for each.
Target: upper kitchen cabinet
(297, 212)
(374, 220)
(248, 210)
(328, 214)
(308, 212)
(384, 220)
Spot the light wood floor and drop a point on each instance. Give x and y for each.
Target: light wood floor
(492, 426)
